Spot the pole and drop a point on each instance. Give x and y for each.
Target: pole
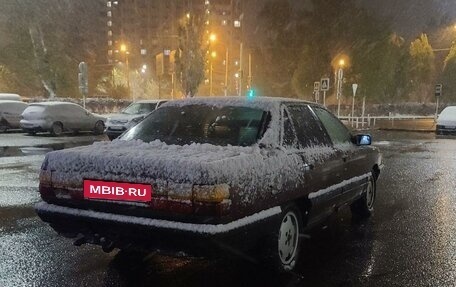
(226, 72)
(364, 109)
(172, 85)
(240, 69)
(324, 98)
(436, 109)
(250, 71)
(353, 107)
(128, 75)
(210, 80)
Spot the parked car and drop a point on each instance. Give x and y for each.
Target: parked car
(130, 116)
(446, 122)
(10, 114)
(60, 117)
(10, 97)
(202, 174)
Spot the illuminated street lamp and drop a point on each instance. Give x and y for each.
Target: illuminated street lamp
(124, 49)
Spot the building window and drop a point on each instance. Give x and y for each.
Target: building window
(109, 14)
(109, 52)
(109, 43)
(237, 23)
(109, 23)
(224, 22)
(108, 4)
(143, 52)
(110, 33)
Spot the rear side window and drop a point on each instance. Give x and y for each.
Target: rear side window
(338, 133)
(308, 130)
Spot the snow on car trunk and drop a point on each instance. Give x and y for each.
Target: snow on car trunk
(251, 169)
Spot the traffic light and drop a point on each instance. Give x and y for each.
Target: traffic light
(250, 93)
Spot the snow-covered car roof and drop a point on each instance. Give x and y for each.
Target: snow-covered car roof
(54, 104)
(148, 101)
(12, 101)
(264, 103)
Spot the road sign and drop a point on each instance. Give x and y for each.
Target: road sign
(324, 84)
(355, 88)
(438, 90)
(316, 86)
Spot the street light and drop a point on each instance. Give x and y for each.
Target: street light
(124, 49)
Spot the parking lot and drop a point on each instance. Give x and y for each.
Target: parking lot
(408, 242)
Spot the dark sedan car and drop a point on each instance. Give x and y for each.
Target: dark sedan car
(205, 174)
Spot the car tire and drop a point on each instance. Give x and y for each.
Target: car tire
(364, 206)
(283, 247)
(99, 128)
(57, 129)
(3, 127)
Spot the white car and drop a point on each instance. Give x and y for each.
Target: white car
(446, 122)
(10, 97)
(10, 114)
(130, 116)
(59, 117)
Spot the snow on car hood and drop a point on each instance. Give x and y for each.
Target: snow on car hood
(251, 169)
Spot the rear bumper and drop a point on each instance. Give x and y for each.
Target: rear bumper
(444, 130)
(36, 126)
(114, 133)
(156, 234)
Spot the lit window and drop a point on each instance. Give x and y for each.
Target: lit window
(237, 23)
(143, 51)
(109, 14)
(110, 33)
(116, 2)
(224, 22)
(167, 52)
(110, 52)
(109, 43)
(206, 2)
(109, 23)
(108, 4)
(208, 12)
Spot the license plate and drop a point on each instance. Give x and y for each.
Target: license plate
(120, 191)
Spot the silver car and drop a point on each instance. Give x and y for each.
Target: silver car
(10, 114)
(59, 117)
(130, 116)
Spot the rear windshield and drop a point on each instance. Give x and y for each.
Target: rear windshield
(33, 109)
(236, 126)
(139, 108)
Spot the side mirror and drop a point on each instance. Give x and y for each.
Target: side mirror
(362, 140)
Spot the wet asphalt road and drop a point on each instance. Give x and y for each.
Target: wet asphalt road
(410, 240)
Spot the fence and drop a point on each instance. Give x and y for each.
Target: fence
(396, 122)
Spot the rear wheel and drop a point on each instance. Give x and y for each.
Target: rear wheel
(3, 127)
(284, 246)
(364, 206)
(57, 129)
(99, 128)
